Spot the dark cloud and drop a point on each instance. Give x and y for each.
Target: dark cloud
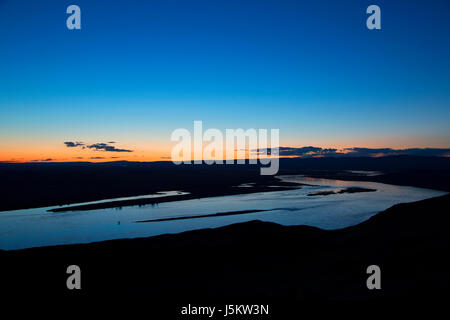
(303, 151)
(96, 158)
(306, 152)
(106, 147)
(71, 144)
(96, 146)
(436, 152)
(43, 160)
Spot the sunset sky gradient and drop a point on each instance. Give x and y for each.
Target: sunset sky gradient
(137, 70)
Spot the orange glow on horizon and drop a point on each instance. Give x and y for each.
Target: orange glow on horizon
(27, 151)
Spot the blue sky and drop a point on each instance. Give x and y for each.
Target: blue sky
(139, 69)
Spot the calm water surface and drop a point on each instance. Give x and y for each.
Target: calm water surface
(38, 227)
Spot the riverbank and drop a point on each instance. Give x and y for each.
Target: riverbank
(254, 187)
(427, 179)
(255, 259)
(33, 185)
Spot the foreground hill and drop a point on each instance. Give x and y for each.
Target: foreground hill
(410, 242)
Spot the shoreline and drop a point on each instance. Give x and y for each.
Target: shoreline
(272, 186)
(345, 190)
(218, 214)
(415, 179)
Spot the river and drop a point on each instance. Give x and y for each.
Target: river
(38, 227)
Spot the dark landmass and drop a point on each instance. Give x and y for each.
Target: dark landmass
(31, 185)
(321, 193)
(346, 190)
(218, 214)
(261, 260)
(415, 171)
